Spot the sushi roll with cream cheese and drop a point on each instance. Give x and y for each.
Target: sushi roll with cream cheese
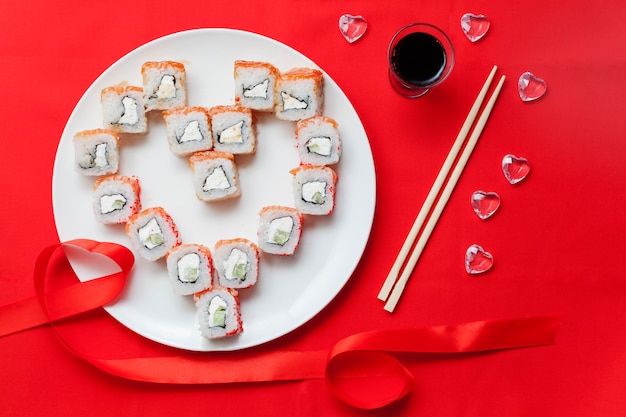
(279, 230)
(255, 84)
(314, 189)
(190, 268)
(318, 141)
(233, 129)
(164, 85)
(218, 313)
(188, 130)
(115, 199)
(236, 263)
(123, 109)
(215, 175)
(299, 94)
(153, 233)
(96, 152)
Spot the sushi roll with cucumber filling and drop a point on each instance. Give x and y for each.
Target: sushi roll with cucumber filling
(190, 268)
(188, 130)
(255, 84)
(318, 141)
(314, 189)
(152, 233)
(116, 198)
(299, 94)
(96, 152)
(218, 313)
(164, 84)
(233, 129)
(215, 175)
(123, 109)
(236, 263)
(279, 230)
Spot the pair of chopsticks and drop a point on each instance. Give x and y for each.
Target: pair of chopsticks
(393, 287)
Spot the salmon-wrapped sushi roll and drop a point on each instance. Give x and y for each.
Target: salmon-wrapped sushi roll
(96, 152)
(299, 94)
(318, 141)
(233, 129)
(314, 189)
(188, 130)
(116, 199)
(164, 85)
(218, 313)
(236, 263)
(215, 175)
(255, 83)
(279, 230)
(153, 233)
(123, 109)
(190, 268)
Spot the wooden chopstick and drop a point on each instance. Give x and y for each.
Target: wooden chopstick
(434, 191)
(393, 297)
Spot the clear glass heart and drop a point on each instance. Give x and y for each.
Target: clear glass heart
(485, 203)
(515, 168)
(477, 260)
(352, 27)
(474, 26)
(531, 87)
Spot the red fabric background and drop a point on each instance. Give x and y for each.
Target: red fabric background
(557, 238)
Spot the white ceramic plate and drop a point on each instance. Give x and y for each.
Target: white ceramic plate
(291, 290)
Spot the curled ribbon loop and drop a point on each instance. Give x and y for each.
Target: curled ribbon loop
(360, 370)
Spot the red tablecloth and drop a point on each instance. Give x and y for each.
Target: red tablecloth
(557, 239)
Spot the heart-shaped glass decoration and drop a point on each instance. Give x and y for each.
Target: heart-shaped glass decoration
(485, 203)
(515, 168)
(352, 27)
(531, 87)
(474, 26)
(477, 260)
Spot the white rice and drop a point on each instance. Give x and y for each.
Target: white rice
(314, 189)
(206, 303)
(318, 141)
(215, 176)
(123, 109)
(189, 279)
(275, 235)
(123, 191)
(234, 253)
(188, 130)
(96, 152)
(255, 84)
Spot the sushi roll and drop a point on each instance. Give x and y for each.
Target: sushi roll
(153, 233)
(279, 230)
(233, 129)
(190, 268)
(299, 94)
(215, 175)
(96, 152)
(115, 199)
(318, 141)
(218, 313)
(255, 84)
(236, 263)
(164, 85)
(188, 130)
(314, 189)
(123, 109)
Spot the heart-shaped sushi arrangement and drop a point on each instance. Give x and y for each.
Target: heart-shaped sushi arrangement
(211, 139)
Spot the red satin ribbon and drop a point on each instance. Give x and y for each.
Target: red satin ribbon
(360, 369)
